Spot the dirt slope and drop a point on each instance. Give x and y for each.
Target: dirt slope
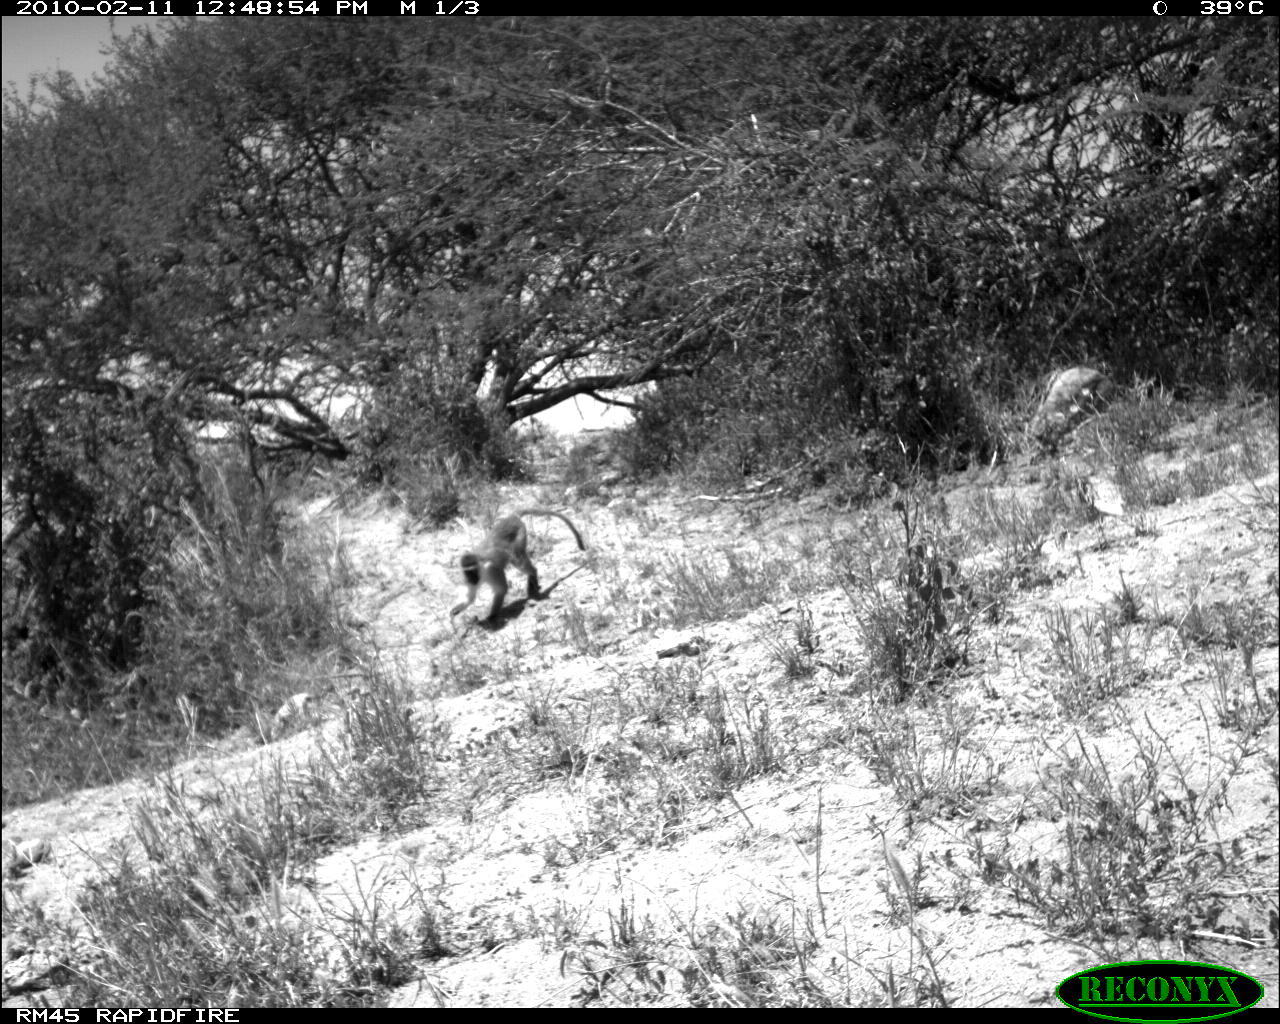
(572, 862)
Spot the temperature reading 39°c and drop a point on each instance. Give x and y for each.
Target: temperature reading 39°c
(1228, 7)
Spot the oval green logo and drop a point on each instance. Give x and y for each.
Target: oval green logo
(1164, 990)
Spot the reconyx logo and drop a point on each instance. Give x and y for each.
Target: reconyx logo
(1164, 990)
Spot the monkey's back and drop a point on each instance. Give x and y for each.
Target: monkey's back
(508, 530)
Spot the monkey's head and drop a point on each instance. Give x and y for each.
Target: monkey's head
(470, 569)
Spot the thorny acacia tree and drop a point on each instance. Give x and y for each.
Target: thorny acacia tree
(509, 213)
(949, 205)
(337, 205)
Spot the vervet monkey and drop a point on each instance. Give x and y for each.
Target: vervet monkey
(506, 543)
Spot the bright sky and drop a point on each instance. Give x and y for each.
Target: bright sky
(32, 45)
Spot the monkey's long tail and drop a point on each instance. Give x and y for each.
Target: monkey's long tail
(548, 512)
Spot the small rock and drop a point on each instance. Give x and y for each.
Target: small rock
(1074, 395)
(298, 708)
(688, 649)
(26, 855)
(1104, 496)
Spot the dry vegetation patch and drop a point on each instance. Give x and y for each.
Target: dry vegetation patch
(944, 750)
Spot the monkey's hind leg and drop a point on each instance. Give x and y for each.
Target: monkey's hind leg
(498, 583)
(524, 563)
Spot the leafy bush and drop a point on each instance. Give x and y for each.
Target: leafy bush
(915, 629)
(422, 413)
(94, 484)
(147, 600)
(239, 599)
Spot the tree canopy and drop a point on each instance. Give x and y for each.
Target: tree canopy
(500, 214)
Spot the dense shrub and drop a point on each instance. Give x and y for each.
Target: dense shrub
(94, 484)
